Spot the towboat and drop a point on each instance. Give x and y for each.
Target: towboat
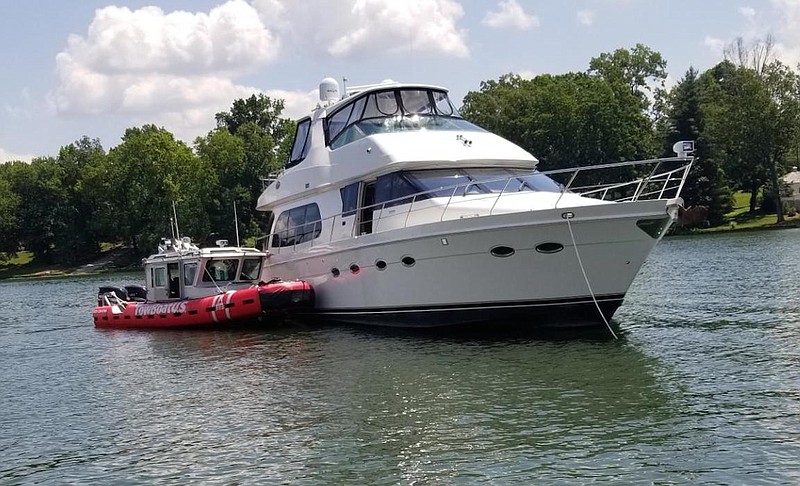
(399, 212)
(190, 287)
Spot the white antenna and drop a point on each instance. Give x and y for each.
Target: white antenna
(236, 223)
(175, 214)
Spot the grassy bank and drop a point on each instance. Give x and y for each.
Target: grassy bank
(23, 265)
(740, 218)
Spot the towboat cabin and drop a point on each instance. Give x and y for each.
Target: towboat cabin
(181, 270)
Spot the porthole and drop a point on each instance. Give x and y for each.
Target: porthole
(335, 272)
(549, 247)
(502, 251)
(408, 261)
(380, 265)
(354, 269)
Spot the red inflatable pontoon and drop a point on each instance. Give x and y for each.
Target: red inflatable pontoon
(227, 309)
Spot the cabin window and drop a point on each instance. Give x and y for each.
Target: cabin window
(251, 269)
(189, 273)
(301, 143)
(160, 277)
(393, 110)
(392, 189)
(297, 225)
(222, 270)
(416, 101)
(349, 199)
(443, 105)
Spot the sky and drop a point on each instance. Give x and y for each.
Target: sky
(96, 67)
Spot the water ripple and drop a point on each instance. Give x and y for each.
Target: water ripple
(701, 389)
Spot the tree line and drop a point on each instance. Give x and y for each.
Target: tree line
(743, 113)
(63, 208)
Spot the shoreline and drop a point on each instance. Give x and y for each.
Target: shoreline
(105, 265)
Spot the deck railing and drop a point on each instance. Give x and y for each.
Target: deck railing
(647, 179)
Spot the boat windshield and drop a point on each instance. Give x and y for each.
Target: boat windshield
(251, 269)
(462, 182)
(223, 270)
(393, 110)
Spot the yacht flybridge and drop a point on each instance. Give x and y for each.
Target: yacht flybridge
(401, 213)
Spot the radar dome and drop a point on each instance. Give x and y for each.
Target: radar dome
(329, 90)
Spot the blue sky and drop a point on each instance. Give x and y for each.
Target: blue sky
(96, 67)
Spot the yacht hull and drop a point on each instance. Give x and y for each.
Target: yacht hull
(519, 268)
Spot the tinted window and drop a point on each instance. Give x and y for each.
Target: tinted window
(189, 273)
(251, 268)
(392, 110)
(349, 199)
(392, 188)
(338, 121)
(301, 145)
(160, 279)
(416, 101)
(297, 225)
(443, 106)
(221, 270)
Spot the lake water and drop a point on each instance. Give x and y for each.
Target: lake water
(703, 387)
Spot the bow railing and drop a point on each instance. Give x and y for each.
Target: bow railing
(629, 182)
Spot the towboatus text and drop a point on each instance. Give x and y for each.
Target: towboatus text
(152, 309)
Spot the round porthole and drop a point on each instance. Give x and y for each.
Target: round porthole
(354, 269)
(408, 261)
(335, 272)
(502, 251)
(549, 247)
(380, 265)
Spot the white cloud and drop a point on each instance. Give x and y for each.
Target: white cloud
(510, 15)
(133, 61)
(747, 12)
(787, 35)
(527, 74)
(585, 17)
(6, 156)
(230, 38)
(179, 68)
(715, 45)
(368, 28)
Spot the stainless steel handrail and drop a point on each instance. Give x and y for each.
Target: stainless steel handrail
(662, 181)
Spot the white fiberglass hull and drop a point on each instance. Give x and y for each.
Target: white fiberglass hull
(445, 273)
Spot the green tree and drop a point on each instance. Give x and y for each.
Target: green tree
(639, 72)
(572, 119)
(265, 113)
(39, 187)
(251, 141)
(150, 170)
(9, 207)
(82, 224)
(706, 184)
(753, 122)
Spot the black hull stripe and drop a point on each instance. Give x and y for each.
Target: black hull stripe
(609, 298)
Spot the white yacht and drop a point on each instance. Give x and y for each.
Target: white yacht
(401, 213)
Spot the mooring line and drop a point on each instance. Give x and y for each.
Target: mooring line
(568, 216)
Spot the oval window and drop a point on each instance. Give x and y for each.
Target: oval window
(354, 268)
(502, 251)
(549, 247)
(380, 265)
(408, 261)
(335, 272)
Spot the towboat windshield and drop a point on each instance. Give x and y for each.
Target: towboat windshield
(393, 110)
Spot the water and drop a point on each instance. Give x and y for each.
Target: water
(704, 387)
